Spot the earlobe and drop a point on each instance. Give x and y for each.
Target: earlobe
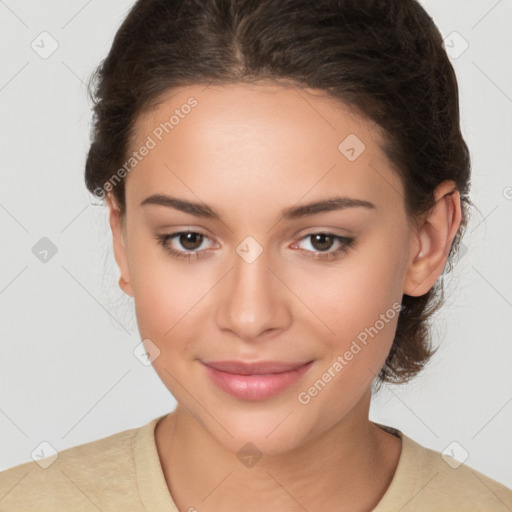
(432, 240)
(119, 244)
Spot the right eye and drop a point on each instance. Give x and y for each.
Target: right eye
(191, 241)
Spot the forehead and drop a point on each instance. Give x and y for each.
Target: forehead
(252, 140)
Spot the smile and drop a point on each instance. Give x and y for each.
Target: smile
(256, 381)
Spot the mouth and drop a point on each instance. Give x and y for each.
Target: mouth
(255, 381)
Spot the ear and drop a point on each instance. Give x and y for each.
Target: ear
(117, 224)
(432, 240)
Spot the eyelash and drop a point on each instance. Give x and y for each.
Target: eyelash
(346, 244)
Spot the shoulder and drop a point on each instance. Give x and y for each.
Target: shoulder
(459, 483)
(426, 480)
(84, 477)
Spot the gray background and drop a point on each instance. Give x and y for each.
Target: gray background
(67, 369)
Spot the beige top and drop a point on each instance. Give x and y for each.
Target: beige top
(122, 472)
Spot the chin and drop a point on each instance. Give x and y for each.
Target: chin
(267, 432)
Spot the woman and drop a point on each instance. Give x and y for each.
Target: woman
(286, 182)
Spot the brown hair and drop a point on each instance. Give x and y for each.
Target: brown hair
(383, 58)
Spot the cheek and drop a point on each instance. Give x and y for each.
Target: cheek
(167, 305)
(351, 295)
(167, 309)
(166, 291)
(361, 305)
(359, 300)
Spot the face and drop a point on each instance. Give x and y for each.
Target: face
(260, 276)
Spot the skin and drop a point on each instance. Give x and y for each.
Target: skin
(248, 152)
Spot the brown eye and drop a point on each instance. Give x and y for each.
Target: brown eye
(322, 241)
(191, 241)
(326, 246)
(187, 245)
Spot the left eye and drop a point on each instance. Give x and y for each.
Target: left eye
(321, 243)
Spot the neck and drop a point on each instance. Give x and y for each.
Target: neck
(347, 467)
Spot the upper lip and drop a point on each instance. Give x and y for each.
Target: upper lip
(257, 368)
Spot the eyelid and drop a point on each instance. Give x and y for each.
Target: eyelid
(334, 231)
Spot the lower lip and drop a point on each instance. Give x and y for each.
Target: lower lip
(255, 387)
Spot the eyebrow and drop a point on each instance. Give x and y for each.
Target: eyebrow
(290, 213)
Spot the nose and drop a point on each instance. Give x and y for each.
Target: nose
(252, 301)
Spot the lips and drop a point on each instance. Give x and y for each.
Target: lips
(254, 381)
(259, 368)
